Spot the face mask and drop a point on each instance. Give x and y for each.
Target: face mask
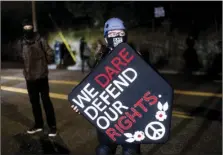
(28, 31)
(113, 42)
(115, 37)
(28, 34)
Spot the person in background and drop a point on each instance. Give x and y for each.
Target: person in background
(190, 56)
(57, 49)
(99, 46)
(114, 34)
(64, 54)
(93, 58)
(35, 54)
(85, 54)
(216, 65)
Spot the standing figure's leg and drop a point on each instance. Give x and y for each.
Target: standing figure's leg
(48, 106)
(33, 92)
(82, 65)
(131, 149)
(105, 147)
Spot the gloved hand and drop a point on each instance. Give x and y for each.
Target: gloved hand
(75, 109)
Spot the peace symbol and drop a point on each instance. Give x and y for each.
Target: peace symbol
(158, 133)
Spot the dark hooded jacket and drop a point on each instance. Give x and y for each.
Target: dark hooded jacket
(36, 55)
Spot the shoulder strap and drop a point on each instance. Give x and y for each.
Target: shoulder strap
(21, 53)
(21, 46)
(41, 46)
(22, 42)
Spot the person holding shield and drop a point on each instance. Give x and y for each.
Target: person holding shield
(114, 34)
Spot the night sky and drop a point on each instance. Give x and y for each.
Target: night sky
(181, 14)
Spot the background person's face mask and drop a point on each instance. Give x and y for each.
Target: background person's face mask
(28, 31)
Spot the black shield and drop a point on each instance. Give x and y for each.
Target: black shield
(125, 98)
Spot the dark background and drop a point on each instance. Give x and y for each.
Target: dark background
(202, 20)
(191, 17)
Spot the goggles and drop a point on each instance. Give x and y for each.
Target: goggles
(116, 33)
(27, 27)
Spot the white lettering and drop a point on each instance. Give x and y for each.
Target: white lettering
(90, 92)
(123, 82)
(115, 117)
(85, 97)
(97, 105)
(104, 97)
(111, 91)
(107, 123)
(130, 79)
(93, 109)
(118, 105)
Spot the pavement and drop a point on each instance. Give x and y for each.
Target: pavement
(196, 126)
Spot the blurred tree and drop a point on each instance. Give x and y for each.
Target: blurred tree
(94, 10)
(125, 11)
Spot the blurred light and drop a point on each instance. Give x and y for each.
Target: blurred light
(96, 23)
(159, 12)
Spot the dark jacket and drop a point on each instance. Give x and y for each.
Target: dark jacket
(35, 54)
(104, 51)
(101, 54)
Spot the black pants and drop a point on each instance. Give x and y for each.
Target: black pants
(36, 88)
(83, 60)
(105, 141)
